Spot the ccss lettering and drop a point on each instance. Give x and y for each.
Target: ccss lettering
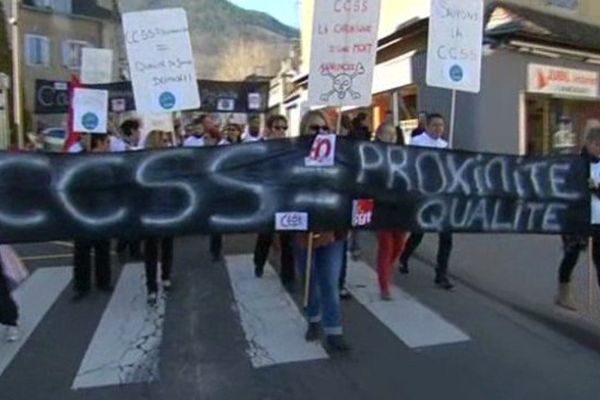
(455, 53)
(351, 6)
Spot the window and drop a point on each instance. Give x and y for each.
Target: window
(567, 5)
(37, 50)
(63, 6)
(72, 53)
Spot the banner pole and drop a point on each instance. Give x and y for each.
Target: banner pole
(338, 126)
(452, 120)
(307, 275)
(590, 298)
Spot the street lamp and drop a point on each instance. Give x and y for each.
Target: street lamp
(17, 78)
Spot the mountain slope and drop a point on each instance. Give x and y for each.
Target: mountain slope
(230, 42)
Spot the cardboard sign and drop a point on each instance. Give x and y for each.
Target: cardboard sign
(161, 61)
(322, 153)
(291, 221)
(455, 44)
(362, 212)
(90, 110)
(344, 46)
(96, 66)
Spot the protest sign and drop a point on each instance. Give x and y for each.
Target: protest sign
(90, 110)
(344, 46)
(455, 44)
(96, 65)
(161, 61)
(242, 189)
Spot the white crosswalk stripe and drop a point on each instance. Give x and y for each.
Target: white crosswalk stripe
(271, 320)
(35, 297)
(416, 325)
(125, 347)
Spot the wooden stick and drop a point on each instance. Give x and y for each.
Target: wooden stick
(307, 275)
(338, 126)
(590, 298)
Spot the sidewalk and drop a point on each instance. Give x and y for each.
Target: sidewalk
(521, 271)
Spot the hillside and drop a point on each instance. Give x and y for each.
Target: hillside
(230, 42)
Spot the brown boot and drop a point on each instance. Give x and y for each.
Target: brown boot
(565, 297)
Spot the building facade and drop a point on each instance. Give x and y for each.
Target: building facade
(52, 35)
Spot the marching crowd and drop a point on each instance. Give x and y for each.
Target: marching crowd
(330, 249)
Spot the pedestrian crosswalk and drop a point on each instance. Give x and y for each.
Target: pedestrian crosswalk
(125, 346)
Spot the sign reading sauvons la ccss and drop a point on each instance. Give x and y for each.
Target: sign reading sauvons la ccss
(455, 44)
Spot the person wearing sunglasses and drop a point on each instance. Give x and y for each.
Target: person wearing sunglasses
(277, 126)
(324, 309)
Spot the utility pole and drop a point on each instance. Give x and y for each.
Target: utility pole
(4, 125)
(15, 21)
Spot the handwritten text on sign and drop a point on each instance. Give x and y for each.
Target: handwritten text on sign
(241, 189)
(161, 60)
(344, 46)
(455, 44)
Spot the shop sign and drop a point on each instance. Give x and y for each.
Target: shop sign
(562, 81)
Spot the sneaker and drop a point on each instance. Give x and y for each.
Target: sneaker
(386, 296)
(345, 294)
(403, 268)
(78, 296)
(443, 283)
(337, 344)
(152, 298)
(13, 334)
(313, 332)
(167, 285)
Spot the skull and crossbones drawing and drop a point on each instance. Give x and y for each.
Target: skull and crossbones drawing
(342, 83)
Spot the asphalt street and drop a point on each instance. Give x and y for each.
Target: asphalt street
(223, 334)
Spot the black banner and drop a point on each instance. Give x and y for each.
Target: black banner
(241, 188)
(52, 97)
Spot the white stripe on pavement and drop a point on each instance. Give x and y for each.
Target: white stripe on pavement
(412, 322)
(125, 346)
(273, 325)
(35, 297)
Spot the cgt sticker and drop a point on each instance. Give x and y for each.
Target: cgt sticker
(291, 221)
(362, 212)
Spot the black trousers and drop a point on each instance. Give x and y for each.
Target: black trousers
(344, 270)
(261, 253)
(573, 246)
(216, 245)
(151, 250)
(9, 312)
(133, 245)
(83, 264)
(443, 255)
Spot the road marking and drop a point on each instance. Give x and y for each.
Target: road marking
(273, 325)
(125, 347)
(35, 297)
(416, 325)
(46, 257)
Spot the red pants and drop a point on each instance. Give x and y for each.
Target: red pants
(391, 245)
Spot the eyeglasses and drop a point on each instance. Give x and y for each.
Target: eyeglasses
(319, 128)
(280, 128)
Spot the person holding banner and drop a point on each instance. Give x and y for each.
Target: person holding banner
(432, 137)
(390, 243)
(131, 131)
(574, 244)
(9, 311)
(327, 250)
(277, 126)
(201, 128)
(82, 259)
(158, 140)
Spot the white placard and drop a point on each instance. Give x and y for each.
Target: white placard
(455, 44)
(562, 81)
(291, 221)
(344, 46)
(158, 122)
(96, 66)
(161, 61)
(90, 110)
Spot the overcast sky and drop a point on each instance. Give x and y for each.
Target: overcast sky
(284, 10)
